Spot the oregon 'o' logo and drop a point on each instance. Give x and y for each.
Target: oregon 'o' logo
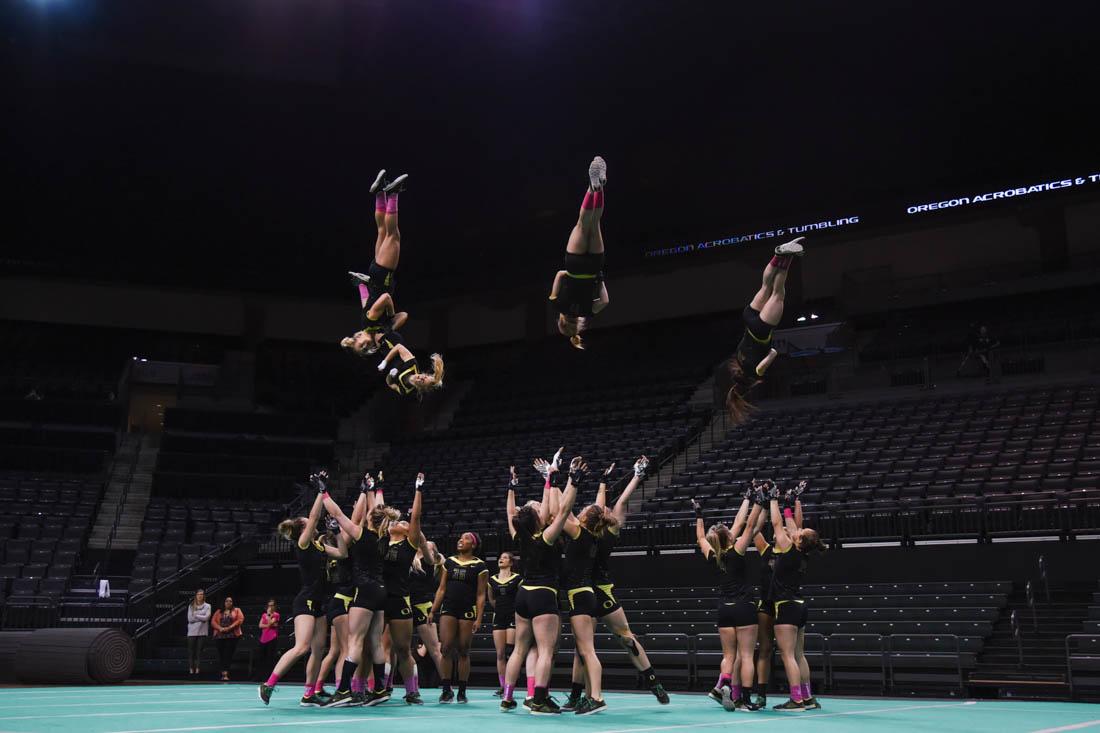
(608, 604)
(470, 614)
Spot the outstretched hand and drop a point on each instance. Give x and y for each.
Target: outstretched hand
(319, 481)
(419, 480)
(798, 490)
(514, 480)
(556, 463)
(640, 466)
(577, 469)
(544, 468)
(367, 484)
(607, 471)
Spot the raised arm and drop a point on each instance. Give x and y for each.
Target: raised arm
(319, 481)
(417, 508)
(782, 539)
(340, 552)
(556, 287)
(742, 515)
(701, 530)
(366, 490)
(577, 469)
(353, 530)
(510, 503)
(751, 528)
(640, 467)
(766, 362)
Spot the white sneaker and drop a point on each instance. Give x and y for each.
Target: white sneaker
(727, 698)
(597, 173)
(358, 277)
(378, 181)
(793, 247)
(398, 184)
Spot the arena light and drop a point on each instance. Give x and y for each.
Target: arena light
(801, 319)
(814, 316)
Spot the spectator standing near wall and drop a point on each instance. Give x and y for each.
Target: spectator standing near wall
(269, 639)
(198, 628)
(227, 633)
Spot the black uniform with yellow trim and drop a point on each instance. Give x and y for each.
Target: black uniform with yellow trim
(460, 596)
(397, 560)
(766, 605)
(580, 287)
(311, 599)
(755, 343)
(504, 601)
(736, 597)
(580, 556)
(382, 280)
(602, 581)
(340, 574)
(790, 567)
(538, 593)
(422, 588)
(370, 593)
(405, 370)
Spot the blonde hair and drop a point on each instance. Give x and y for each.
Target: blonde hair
(289, 528)
(740, 409)
(596, 519)
(720, 540)
(424, 383)
(432, 554)
(381, 517)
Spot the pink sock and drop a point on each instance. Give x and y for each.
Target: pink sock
(309, 689)
(364, 293)
(806, 692)
(508, 689)
(735, 692)
(391, 203)
(597, 199)
(356, 684)
(796, 693)
(273, 680)
(781, 263)
(380, 201)
(530, 687)
(319, 687)
(589, 201)
(500, 677)
(724, 680)
(412, 685)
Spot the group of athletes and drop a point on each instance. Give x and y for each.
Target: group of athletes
(372, 579)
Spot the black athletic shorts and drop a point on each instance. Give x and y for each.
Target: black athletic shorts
(420, 612)
(755, 325)
(339, 604)
(398, 608)
(582, 602)
(370, 595)
(534, 601)
(462, 613)
(605, 600)
(790, 613)
(307, 603)
(383, 279)
(587, 264)
(504, 621)
(739, 613)
(766, 607)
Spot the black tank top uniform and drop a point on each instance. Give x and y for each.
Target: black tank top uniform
(538, 592)
(786, 592)
(397, 560)
(370, 593)
(580, 287)
(460, 596)
(766, 604)
(340, 572)
(405, 370)
(422, 588)
(580, 558)
(602, 580)
(311, 568)
(737, 598)
(504, 597)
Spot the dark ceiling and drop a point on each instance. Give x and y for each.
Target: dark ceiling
(229, 143)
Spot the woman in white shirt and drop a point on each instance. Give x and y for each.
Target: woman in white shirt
(198, 628)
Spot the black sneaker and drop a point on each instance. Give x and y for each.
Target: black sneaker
(528, 702)
(446, 697)
(658, 691)
(413, 698)
(789, 707)
(553, 704)
(761, 702)
(499, 692)
(507, 706)
(544, 708)
(324, 695)
(716, 695)
(373, 698)
(341, 699)
(461, 699)
(572, 703)
(265, 693)
(811, 704)
(311, 701)
(589, 706)
(358, 700)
